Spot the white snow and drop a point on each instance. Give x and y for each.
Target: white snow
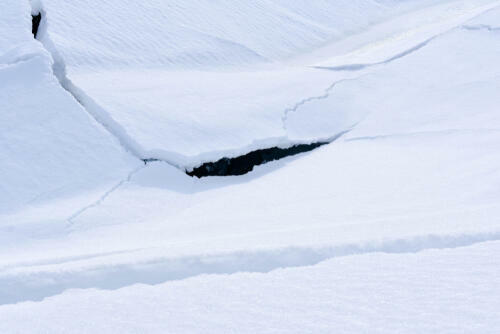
(392, 227)
(445, 291)
(181, 81)
(50, 147)
(15, 24)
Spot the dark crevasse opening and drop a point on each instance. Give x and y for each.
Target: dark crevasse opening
(35, 21)
(245, 163)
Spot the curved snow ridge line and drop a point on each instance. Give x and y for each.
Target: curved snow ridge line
(451, 25)
(424, 133)
(92, 108)
(357, 67)
(101, 116)
(481, 27)
(40, 283)
(20, 54)
(63, 260)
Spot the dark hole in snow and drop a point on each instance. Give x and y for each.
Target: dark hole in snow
(245, 163)
(35, 19)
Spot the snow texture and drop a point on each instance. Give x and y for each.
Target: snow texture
(50, 147)
(187, 96)
(452, 291)
(392, 227)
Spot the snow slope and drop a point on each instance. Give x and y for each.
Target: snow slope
(178, 34)
(15, 24)
(49, 146)
(187, 96)
(418, 172)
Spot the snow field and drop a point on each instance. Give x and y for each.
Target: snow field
(298, 245)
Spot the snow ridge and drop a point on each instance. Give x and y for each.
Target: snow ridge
(59, 68)
(36, 283)
(357, 67)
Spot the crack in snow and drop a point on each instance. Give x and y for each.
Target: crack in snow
(59, 70)
(357, 67)
(481, 27)
(324, 96)
(244, 164)
(42, 283)
(420, 133)
(101, 199)
(35, 23)
(97, 112)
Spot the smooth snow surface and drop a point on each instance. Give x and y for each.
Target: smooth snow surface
(392, 227)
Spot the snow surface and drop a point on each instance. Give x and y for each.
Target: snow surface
(445, 291)
(187, 96)
(298, 245)
(50, 146)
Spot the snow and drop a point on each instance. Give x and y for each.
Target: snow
(15, 24)
(390, 228)
(179, 34)
(186, 97)
(50, 147)
(446, 291)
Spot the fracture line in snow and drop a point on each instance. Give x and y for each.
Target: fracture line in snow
(324, 96)
(89, 105)
(481, 27)
(92, 107)
(357, 67)
(464, 18)
(39, 282)
(420, 133)
(101, 199)
(102, 118)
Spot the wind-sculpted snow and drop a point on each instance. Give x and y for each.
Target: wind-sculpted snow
(48, 147)
(15, 24)
(488, 19)
(180, 82)
(481, 27)
(416, 166)
(180, 34)
(357, 67)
